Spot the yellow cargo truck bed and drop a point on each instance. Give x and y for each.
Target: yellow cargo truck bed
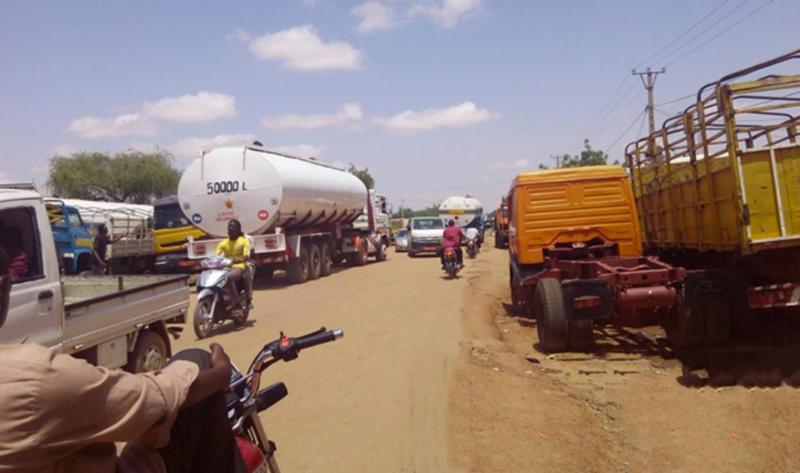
(724, 175)
(572, 205)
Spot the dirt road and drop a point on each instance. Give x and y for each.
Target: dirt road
(376, 400)
(435, 375)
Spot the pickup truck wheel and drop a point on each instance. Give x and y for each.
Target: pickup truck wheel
(203, 320)
(314, 261)
(551, 316)
(325, 256)
(297, 268)
(149, 354)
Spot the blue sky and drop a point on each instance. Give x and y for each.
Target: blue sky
(436, 97)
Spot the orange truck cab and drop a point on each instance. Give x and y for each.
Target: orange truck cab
(575, 254)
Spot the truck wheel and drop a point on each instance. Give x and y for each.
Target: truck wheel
(325, 256)
(551, 317)
(581, 335)
(297, 268)
(718, 320)
(314, 261)
(380, 255)
(203, 320)
(360, 258)
(265, 272)
(687, 324)
(411, 254)
(149, 354)
(497, 243)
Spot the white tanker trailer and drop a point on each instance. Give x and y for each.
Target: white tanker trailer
(299, 212)
(466, 211)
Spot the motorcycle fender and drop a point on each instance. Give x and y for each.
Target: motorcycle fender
(206, 292)
(253, 457)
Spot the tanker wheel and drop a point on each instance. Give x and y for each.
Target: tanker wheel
(360, 258)
(326, 262)
(551, 316)
(314, 261)
(581, 335)
(264, 272)
(297, 268)
(380, 254)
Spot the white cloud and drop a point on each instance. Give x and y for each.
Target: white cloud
(457, 116)
(192, 147)
(506, 165)
(301, 150)
(239, 34)
(122, 125)
(448, 14)
(350, 113)
(375, 16)
(301, 49)
(192, 108)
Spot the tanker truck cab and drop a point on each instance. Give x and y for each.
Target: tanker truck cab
(299, 212)
(171, 232)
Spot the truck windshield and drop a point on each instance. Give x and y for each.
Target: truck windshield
(427, 224)
(169, 216)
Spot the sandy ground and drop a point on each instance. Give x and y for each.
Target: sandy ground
(437, 375)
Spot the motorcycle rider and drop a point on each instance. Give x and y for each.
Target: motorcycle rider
(237, 248)
(452, 238)
(63, 414)
(473, 234)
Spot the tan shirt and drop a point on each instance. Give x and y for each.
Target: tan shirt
(61, 414)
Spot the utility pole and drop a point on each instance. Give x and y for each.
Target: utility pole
(648, 78)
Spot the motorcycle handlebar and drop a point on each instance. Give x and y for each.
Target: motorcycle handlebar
(317, 338)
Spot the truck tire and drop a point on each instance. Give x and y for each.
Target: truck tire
(718, 320)
(203, 320)
(325, 257)
(265, 272)
(360, 257)
(297, 268)
(551, 316)
(149, 354)
(314, 261)
(380, 254)
(581, 335)
(497, 243)
(687, 325)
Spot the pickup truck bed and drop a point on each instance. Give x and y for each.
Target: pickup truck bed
(107, 307)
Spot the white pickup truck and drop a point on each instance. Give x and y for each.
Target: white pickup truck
(113, 321)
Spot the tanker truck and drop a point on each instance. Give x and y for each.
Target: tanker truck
(299, 212)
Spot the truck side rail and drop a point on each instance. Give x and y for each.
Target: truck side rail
(719, 175)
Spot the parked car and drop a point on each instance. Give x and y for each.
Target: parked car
(401, 240)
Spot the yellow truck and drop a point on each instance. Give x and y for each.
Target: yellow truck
(718, 192)
(575, 256)
(171, 231)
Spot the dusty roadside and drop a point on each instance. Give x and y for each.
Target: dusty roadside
(620, 409)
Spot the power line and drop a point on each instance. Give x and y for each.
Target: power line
(683, 34)
(679, 99)
(725, 30)
(640, 117)
(626, 108)
(702, 32)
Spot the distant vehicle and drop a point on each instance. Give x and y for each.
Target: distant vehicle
(113, 321)
(424, 235)
(133, 253)
(501, 225)
(465, 211)
(300, 212)
(74, 241)
(401, 240)
(171, 233)
(381, 217)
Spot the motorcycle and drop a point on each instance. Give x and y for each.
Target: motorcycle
(214, 304)
(245, 400)
(472, 249)
(451, 262)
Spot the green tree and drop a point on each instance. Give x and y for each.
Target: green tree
(587, 157)
(131, 176)
(363, 174)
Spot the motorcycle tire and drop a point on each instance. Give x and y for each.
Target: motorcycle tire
(203, 322)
